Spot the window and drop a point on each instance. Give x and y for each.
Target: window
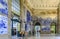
(16, 6)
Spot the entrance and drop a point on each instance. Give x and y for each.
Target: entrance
(15, 25)
(53, 28)
(15, 30)
(37, 29)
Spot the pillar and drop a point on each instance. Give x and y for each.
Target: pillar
(59, 19)
(22, 16)
(9, 19)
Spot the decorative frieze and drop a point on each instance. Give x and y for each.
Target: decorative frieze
(37, 4)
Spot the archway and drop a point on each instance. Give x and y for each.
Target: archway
(37, 28)
(53, 27)
(37, 23)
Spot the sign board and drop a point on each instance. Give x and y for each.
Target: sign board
(3, 24)
(3, 7)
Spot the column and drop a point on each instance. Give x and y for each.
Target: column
(22, 16)
(9, 19)
(58, 19)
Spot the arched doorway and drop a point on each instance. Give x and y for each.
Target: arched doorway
(53, 28)
(37, 28)
(37, 23)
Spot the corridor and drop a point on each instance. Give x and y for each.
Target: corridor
(29, 19)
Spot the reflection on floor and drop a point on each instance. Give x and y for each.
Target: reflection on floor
(41, 37)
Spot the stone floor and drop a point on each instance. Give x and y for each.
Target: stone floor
(37, 37)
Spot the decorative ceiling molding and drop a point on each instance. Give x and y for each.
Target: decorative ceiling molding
(43, 4)
(42, 8)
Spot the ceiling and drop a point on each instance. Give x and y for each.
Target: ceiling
(43, 8)
(43, 4)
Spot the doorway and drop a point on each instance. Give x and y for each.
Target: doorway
(15, 28)
(37, 29)
(53, 28)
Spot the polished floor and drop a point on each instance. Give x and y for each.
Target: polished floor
(37, 37)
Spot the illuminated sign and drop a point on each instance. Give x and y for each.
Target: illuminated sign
(3, 6)
(3, 24)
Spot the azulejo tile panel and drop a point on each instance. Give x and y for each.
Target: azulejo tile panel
(3, 24)
(3, 7)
